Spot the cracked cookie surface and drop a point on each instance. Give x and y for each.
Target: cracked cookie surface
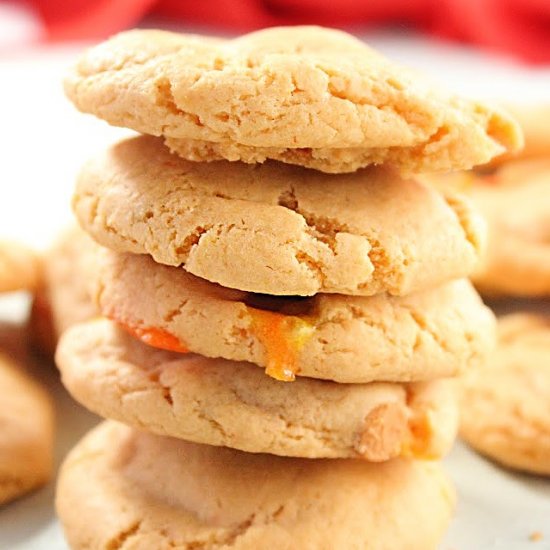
(515, 200)
(277, 229)
(121, 488)
(505, 411)
(26, 432)
(303, 95)
(357, 339)
(220, 402)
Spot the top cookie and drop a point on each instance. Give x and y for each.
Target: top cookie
(303, 95)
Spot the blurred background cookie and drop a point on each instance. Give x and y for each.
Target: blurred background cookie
(277, 229)
(63, 297)
(26, 432)
(222, 402)
(19, 267)
(505, 405)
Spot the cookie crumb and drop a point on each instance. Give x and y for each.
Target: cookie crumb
(536, 536)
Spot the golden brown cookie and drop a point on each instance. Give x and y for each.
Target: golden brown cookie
(303, 95)
(516, 203)
(426, 335)
(277, 229)
(26, 432)
(220, 402)
(505, 409)
(64, 296)
(124, 488)
(19, 267)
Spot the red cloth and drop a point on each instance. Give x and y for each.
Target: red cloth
(520, 27)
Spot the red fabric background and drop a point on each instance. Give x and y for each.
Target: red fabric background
(519, 27)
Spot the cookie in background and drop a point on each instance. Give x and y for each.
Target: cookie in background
(505, 405)
(26, 409)
(515, 200)
(513, 195)
(63, 297)
(121, 484)
(19, 267)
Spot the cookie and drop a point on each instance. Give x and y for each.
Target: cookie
(19, 267)
(355, 339)
(26, 433)
(64, 298)
(233, 404)
(505, 405)
(302, 95)
(516, 203)
(124, 488)
(277, 229)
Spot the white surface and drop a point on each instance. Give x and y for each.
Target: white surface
(43, 143)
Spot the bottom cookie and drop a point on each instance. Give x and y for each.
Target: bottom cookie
(221, 402)
(120, 488)
(505, 411)
(26, 433)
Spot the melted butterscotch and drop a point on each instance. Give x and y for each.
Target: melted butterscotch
(282, 336)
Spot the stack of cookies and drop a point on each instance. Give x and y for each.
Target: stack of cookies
(267, 290)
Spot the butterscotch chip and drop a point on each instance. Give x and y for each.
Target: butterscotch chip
(26, 433)
(277, 229)
(515, 200)
(120, 486)
(302, 95)
(505, 405)
(233, 404)
(429, 334)
(19, 267)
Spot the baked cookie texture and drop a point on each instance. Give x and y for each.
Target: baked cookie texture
(303, 95)
(20, 267)
(121, 488)
(350, 339)
(505, 411)
(277, 229)
(26, 434)
(64, 297)
(220, 402)
(515, 200)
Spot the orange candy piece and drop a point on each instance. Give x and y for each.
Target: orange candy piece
(155, 337)
(282, 337)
